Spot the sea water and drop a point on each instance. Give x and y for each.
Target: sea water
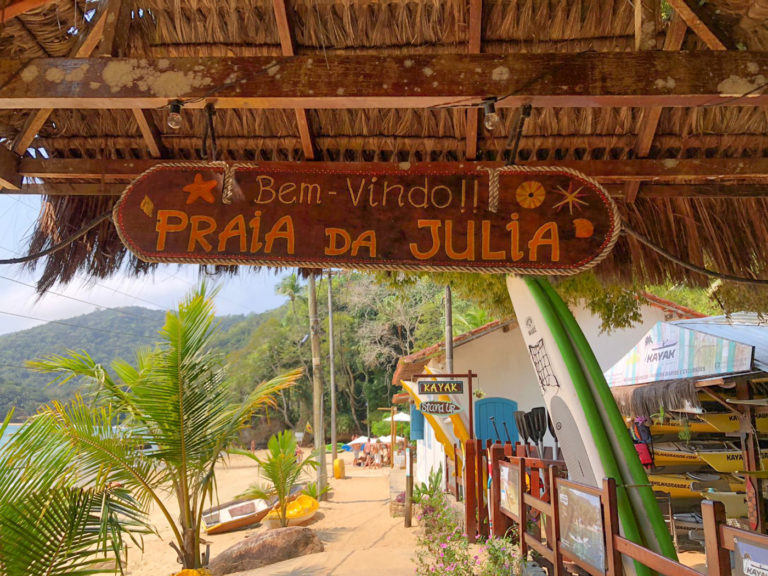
(8, 432)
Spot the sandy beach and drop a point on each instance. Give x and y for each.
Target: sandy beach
(354, 526)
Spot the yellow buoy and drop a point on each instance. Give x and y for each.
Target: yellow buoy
(338, 469)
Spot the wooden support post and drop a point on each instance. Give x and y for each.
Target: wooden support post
(20, 7)
(718, 558)
(10, 177)
(611, 528)
(500, 521)
(408, 486)
(553, 526)
(470, 492)
(522, 514)
(475, 44)
(752, 461)
(482, 506)
(696, 16)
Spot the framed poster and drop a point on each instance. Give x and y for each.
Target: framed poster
(581, 526)
(751, 559)
(509, 482)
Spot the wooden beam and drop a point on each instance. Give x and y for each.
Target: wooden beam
(474, 47)
(9, 171)
(18, 8)
(35, 121)
(647, 78)
(288, 49)
(650, 120)
(116, 18)
(650, 191)
(704, 25)
(687, 171)
(149, 132)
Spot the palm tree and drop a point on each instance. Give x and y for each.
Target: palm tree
(281, 468)
(161, 428)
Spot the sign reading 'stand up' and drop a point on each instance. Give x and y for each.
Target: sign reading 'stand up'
(369, 216)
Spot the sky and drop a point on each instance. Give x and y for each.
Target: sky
(20, 307)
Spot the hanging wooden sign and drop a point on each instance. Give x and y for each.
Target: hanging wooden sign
(441, 387)
(462, 216)
(439, 408)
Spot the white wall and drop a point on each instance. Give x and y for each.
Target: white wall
(430, 455)
(501, 361)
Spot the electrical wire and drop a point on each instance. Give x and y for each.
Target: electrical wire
(63, 244)
(693, 267)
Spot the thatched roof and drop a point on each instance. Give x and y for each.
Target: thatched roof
(729, 234)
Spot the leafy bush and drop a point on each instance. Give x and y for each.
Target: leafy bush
(429, 489)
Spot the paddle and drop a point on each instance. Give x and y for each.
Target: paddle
(540, 427)
(506, 431)
(493, 421)
(522, 428)
(552, 431)
(530, 428)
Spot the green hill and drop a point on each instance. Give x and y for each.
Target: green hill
(105, 334)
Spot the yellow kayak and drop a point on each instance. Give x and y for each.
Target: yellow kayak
(299, 511)
(674, 485)
(729, 423)
(730, 461)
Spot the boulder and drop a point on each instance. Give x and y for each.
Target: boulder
(266, 548)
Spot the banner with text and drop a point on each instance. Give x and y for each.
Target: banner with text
(462, 216)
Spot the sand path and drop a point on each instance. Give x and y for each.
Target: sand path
(359, 535)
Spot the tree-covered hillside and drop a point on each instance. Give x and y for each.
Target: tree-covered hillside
(105, 335)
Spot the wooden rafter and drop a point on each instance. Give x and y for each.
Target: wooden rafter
(696, 16)
(646, 24)
(37, 119)
(651, 116)
(668, 171)
(288, 49)
(645, 78)
(474, 47)
(650, 191)
(20, 7)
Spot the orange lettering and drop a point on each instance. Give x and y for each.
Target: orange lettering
(283, 228)
(469, 252)
(163, 225)
(514, 229)
(265, 185)
(333, 248)
(434, 226)
(487, 253)
(366, 240)
(255, 224)
(197, 234)
(235, 228)
(553, 241)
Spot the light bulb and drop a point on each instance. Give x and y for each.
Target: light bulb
(491, 119)
(174, 115)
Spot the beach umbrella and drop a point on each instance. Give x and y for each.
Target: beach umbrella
(359, 440)
(388, 439)
(399, 417)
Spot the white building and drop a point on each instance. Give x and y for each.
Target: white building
(497, 354)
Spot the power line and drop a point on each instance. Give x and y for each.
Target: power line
(73, 298)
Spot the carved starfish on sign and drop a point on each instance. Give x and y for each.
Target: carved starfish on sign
(200, 189)
(571, 198)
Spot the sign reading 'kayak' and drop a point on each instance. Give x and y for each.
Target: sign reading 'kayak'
(439, 408)
(470, 217)
(442, 387)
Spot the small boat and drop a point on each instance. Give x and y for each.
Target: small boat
(728, 423)
(674, 427)
(723, 457)
(675, 485)
(234, 514)
(675, 456)
(299, 511)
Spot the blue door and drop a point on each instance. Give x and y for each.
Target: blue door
(503, 410)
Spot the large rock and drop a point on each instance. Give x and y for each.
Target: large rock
(266, 548)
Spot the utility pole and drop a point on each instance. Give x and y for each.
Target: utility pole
(448, 330)
(317, 388)
(331, 365)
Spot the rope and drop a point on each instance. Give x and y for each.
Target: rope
(525, 113)
(76, 236)
(693, 267)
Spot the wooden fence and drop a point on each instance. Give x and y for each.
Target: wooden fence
(567, 522)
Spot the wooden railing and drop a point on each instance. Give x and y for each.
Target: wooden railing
(568, 522)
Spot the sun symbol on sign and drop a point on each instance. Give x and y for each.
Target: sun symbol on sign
(571, 198)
